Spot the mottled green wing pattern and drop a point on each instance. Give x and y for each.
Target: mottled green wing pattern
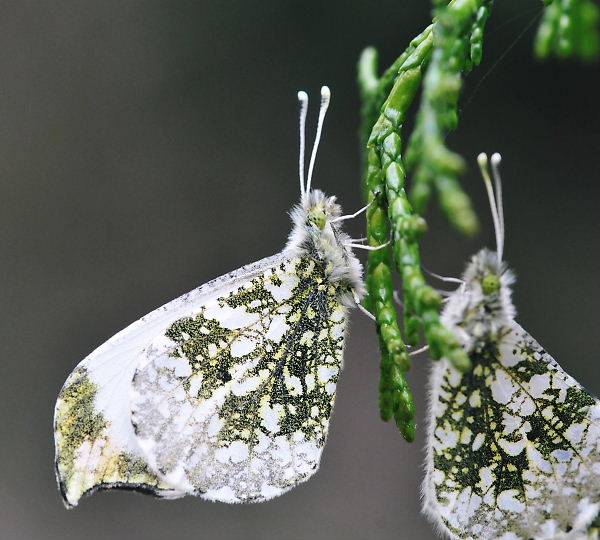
(514, 446)
(96, 446)
(89, 455)
(234, 403)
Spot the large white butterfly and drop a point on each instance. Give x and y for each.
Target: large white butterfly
(513, 446)
(227, 391)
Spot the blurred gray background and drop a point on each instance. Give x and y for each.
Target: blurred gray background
(147, 147)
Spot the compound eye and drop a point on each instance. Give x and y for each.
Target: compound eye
(318, 217)
(490, 284)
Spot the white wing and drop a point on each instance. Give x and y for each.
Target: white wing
(233, 404)
(514, 446)
(96, 446)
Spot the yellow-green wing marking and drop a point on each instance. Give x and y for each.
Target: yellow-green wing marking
(88, 457)
(233, 403)
(593, 531)
(96, 447)
(514, 446)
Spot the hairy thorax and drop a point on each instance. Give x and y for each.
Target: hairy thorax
(482, 307)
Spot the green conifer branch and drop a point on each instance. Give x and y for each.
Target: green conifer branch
(435, 60)
(421, 302)
(458, 43)
(569, 28)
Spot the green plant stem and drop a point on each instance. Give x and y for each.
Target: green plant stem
(436, 59)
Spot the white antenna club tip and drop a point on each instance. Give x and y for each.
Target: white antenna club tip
(325, 93)
(496, 159)
(482, 160)
(302, 96)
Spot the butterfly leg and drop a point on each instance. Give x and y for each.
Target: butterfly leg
(350, 216)
(418, 351)
(443, 278)
(446, 294)
(361, 307)
(366, 312)
(397, 299)
(368, 248)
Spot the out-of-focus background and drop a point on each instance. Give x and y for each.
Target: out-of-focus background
(147, 147)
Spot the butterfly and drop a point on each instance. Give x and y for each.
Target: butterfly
(513, 447)
(227, 391)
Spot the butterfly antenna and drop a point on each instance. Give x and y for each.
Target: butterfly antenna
(482, 161)
(325, 98)
(303, 99)
(496, 160)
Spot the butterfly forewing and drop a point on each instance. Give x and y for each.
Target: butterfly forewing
(515, 447)
(233, 402)
(96, 447)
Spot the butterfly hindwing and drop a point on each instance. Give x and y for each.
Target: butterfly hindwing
(96, 447)
(514, 445)
(233, 402)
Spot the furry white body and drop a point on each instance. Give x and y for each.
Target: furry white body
(328, 244)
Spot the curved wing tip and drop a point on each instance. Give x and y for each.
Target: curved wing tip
(69, 505)
(69, 501)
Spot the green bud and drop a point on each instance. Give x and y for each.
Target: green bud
(386, 410)
(411, 328)
(420, 194)
(403, 360)
(408, 430)
(395, 176)
(459, 359)
(406, 406)
(397, 379)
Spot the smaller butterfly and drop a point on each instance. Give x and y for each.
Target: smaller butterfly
(227, 391)
(513, 448)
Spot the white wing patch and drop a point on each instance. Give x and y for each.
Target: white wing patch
(514, 446)
(240, 412)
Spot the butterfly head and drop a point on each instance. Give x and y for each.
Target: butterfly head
(317, 217)
(490, 282)
(487, 272)
(317, 230)
(483, 306)
(319, 211)
(317, 233)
